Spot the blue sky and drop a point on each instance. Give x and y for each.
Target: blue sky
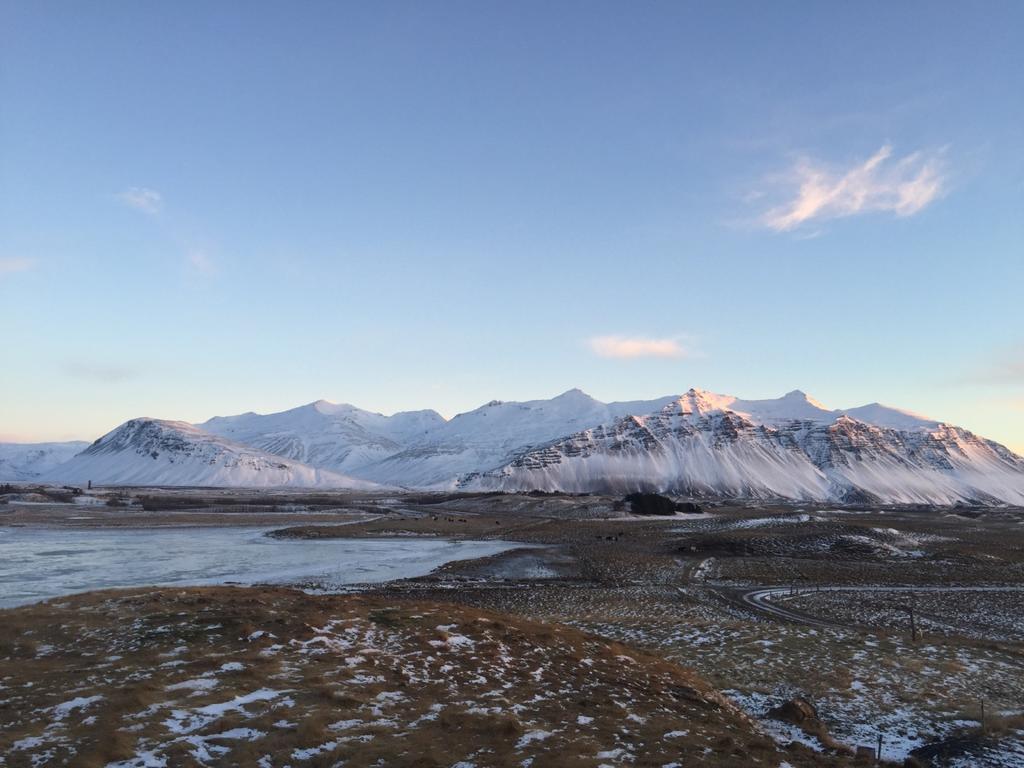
(208, 208)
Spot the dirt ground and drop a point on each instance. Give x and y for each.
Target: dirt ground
(752, 597)
(765, 602)
(273, 677)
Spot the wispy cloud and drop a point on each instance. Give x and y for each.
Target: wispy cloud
(142, 199)
(200, 262)
(98, 371)
(1007, 367)
(197, 260)
(9, 264)
(636, 346)
(816, 191)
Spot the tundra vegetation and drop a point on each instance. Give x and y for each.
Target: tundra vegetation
(745, 635)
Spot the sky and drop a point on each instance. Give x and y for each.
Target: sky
(211, 208)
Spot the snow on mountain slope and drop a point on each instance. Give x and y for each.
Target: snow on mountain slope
(28, 461)
(798, 406)
(883, 416)
(340, 438)
(494, 433)
(795, 405)
(155, 452)
(417, 448)
(699, 446)
(699, 443)
(523, 423)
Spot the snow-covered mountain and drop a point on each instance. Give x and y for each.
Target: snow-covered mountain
(341, 438)
(418, 448)
(698, 443)
(29, 461)
(789, 448)
(494, 434)
(156, 452)
(798, 406)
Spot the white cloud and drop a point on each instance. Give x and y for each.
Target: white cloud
(903, 186)
(11, 264)
(635, 346)
(142, 199)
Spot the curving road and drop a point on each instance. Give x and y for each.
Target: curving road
(760, 599)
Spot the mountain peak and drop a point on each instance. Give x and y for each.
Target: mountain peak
(327, 408)
(574, 394)
(799, 396)
(700, 401)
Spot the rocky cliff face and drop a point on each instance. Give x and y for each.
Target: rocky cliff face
(713, 451)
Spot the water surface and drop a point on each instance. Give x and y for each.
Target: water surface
(40, 563)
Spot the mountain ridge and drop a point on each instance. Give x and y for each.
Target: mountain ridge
(23, 462)
(697, 443)
(723, 453)
(156, 452)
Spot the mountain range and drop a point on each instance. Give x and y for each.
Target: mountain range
(29, 461)
(698, 444)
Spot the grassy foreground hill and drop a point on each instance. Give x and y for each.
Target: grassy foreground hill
(275, 677)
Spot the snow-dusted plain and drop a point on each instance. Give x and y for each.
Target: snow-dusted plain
(696, 444)
(219, 677)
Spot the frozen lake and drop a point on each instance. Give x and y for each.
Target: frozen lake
(40, 563)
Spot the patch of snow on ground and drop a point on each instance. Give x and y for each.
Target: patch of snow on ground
(531, 736)
(199, 685)
(66, 708)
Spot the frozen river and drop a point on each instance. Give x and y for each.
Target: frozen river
(40, 563)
